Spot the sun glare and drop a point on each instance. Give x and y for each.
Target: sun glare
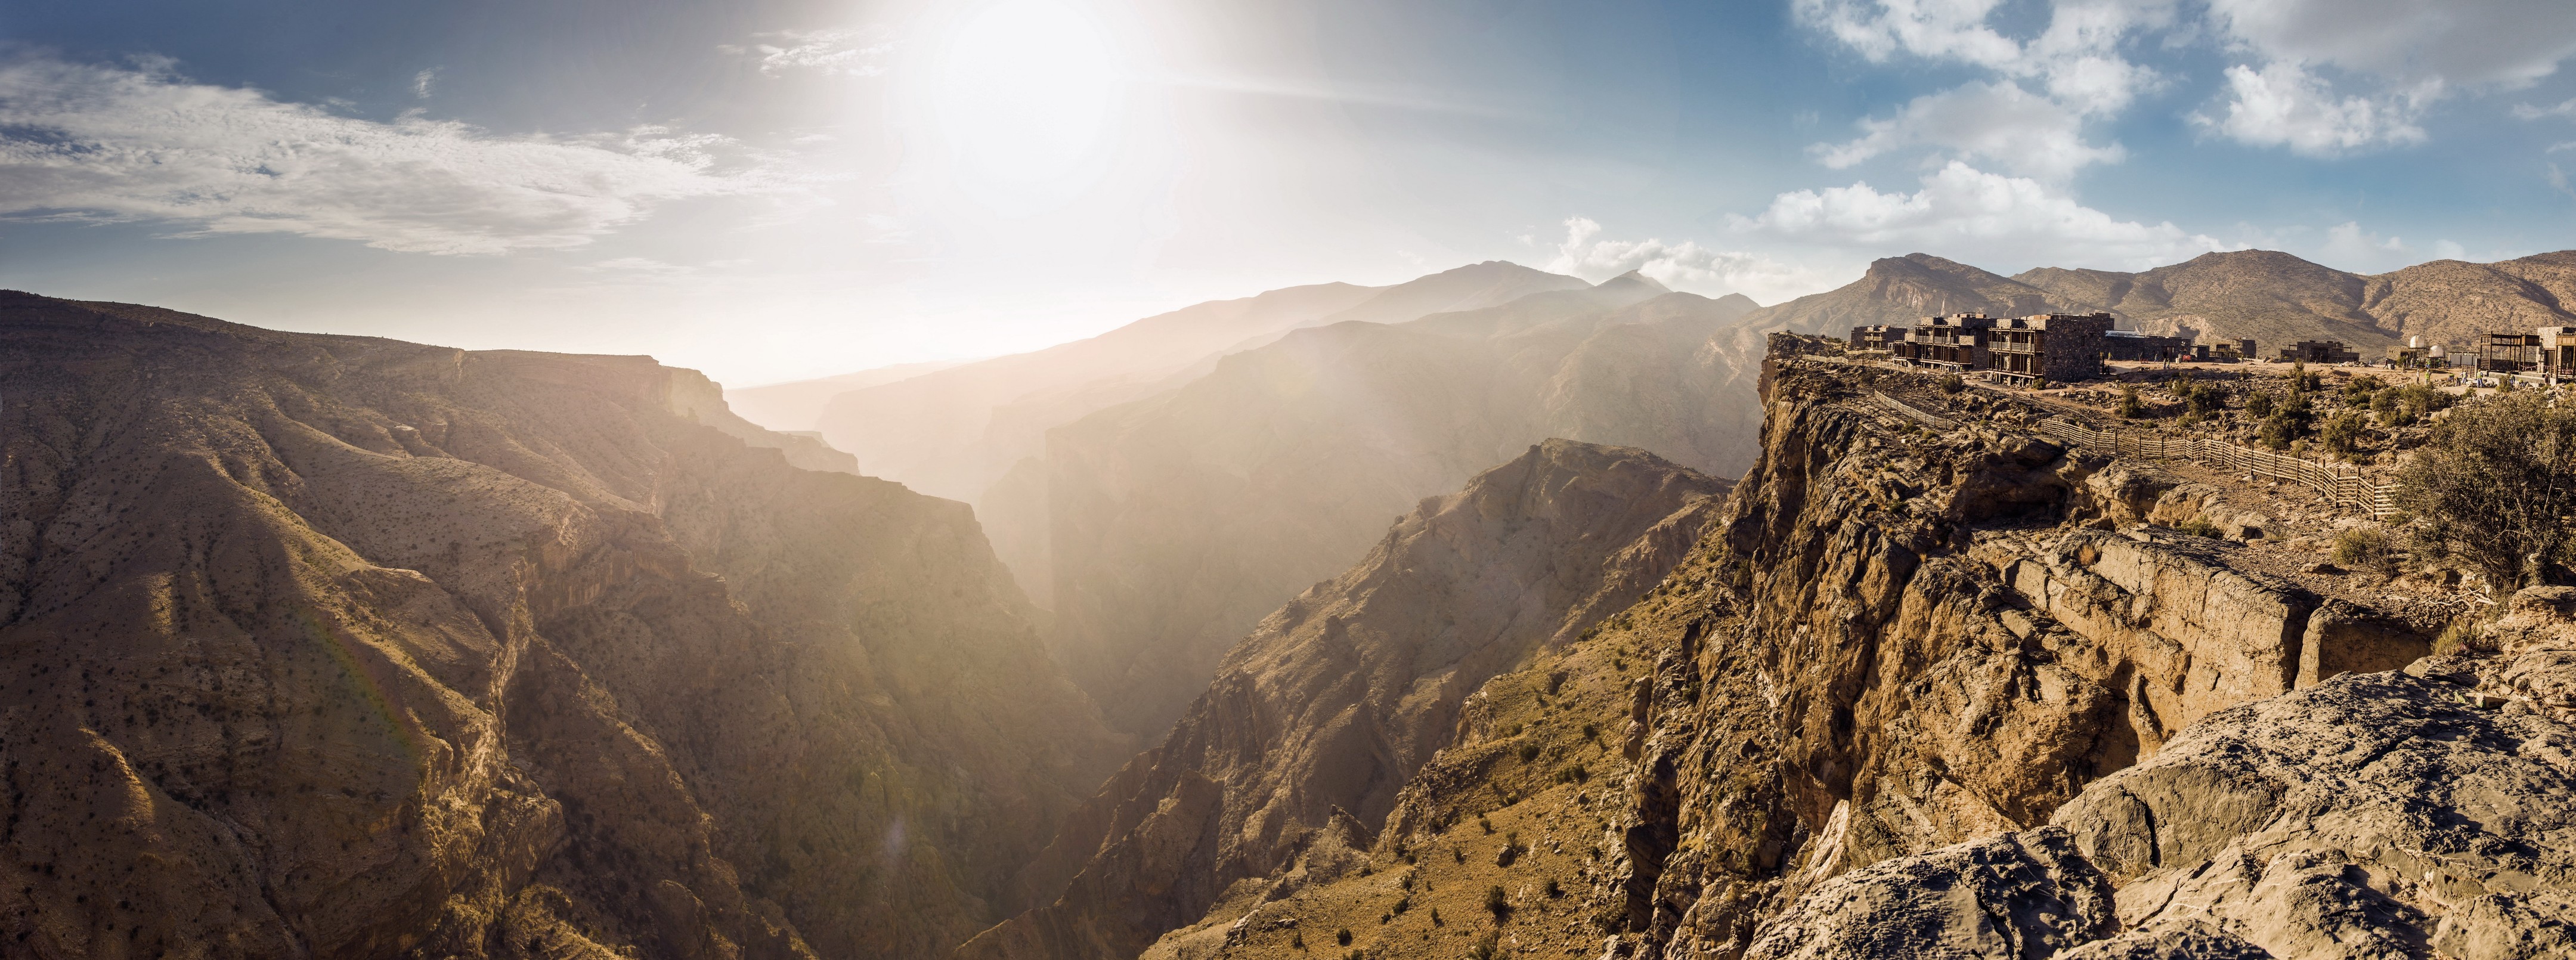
(1027, 97)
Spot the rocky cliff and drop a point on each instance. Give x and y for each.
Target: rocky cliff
(1318, 717)
(342, 647)
(1178, 522)
(1953, 690)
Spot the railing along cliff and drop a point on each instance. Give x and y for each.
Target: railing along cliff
(2343, 484)
(1918, 416)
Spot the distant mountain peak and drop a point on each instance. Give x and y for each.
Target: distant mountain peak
(1633, 279)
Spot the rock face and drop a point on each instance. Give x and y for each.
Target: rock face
(1911, 697)
(1180, 521)
(2017, 895)
(333, 646)
(1318, 717)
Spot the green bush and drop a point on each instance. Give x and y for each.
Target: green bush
(2342, 433)
(2200, 527)
(2496, 486)
(2365, 548)
(2130, 408)
(1951, 383)
(2259, 405)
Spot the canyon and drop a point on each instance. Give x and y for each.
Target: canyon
(1368, 634)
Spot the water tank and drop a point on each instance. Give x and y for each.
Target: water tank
(2415, 342)
(2437, 350)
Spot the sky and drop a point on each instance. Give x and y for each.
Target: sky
(776, 189)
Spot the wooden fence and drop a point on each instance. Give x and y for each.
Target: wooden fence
(2343, 484)
(1918, 416)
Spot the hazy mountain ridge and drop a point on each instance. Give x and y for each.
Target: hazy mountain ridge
(953, 432)
(1179, 521)
(349, 647)
(1333, 702)
(2273, 297)
(797, 404)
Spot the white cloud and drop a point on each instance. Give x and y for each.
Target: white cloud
(2075, 64)
(2411, 53)
(2030, 135)
(2349, 247)
(840, 51)
(2505, 44)
(116, 144)
(2283, 105)
(1684, 266)
(420, 83)
(1972, 215)
(2529, 112)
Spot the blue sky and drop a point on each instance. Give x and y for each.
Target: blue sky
(774, 189)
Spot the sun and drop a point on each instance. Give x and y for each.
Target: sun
(1027, 96)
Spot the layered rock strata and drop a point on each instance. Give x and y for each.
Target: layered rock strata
(1864, 719)
(341, 647)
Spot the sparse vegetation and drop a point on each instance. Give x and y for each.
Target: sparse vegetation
(2287, 423)
(1497, 903)
(2496, 486)
(2365, 548)
(2259, 405)
(2463, 635)
(2199, 527)
(1487, 947)
(2130, 407)
(2342, 433)
(1342, 936)
(1951, 383)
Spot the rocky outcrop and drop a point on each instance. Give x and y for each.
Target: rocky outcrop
(1319, 716)
(332, 646)
(1862, 719)
(2017, 895)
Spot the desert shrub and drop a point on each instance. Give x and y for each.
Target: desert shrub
(1486, 825)
(1496, 902)
(2302, 379)
(1951, 383)
(2463, 635)
(2259, 405)
(1487, 947)
(2200, 527)
(2342, 433)
(2287, 423)
(2420, 400)
(1552, 890)
(2366, 548)
(1529, 752)
(2205, 399)
(2360, 389)
(1511, 850)
(2130, 408)
(2496, 484)
(2391, 411)
(1342, 936)
(2040, 383)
